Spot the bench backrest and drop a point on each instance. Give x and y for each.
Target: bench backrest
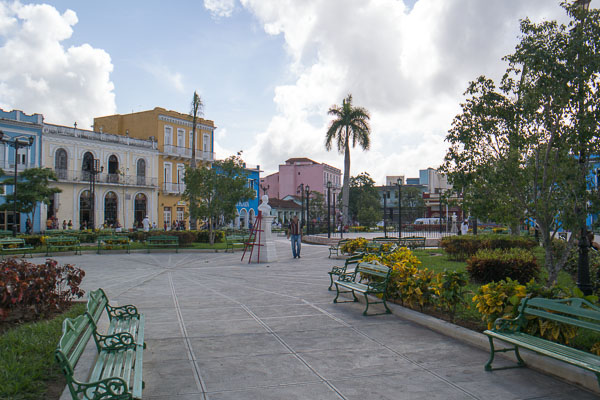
(118, 238)
(61, 239)
(97, 301)
(355, 259)
(371, 269)
(12, 241)
(76, 333)
(164, 237)
(574, 311)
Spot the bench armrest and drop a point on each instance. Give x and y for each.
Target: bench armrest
(113, 388)
(122, 312)
(347, 277)
(117, 341)
(338, 270)
(508, 325)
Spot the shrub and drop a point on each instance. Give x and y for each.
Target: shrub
(202, 236)
(495, 265)
(461, 247)
(32, 240)
(28, 289)
(354, 245)
(499, 299)
(451, 288)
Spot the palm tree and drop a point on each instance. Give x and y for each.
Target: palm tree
(197, 106)
(349, 126)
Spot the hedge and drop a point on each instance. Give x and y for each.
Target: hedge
(496, 265)
(461, 247)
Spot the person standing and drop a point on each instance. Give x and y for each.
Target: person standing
(464, 228)
(295, 232)
(146, 224)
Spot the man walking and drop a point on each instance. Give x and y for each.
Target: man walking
(295, 231)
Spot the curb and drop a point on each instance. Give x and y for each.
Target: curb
(534, 361)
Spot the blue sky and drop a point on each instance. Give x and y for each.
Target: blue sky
(268, 70)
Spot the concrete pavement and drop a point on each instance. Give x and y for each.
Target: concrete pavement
(218, 328)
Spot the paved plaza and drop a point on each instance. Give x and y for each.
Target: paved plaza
(218, 328)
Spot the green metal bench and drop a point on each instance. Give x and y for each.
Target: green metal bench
(162, 242)
(14, 246)
(233, 241)
(337, 247)
(376, 276)
(117, 369)
(413, 242)
(62, 243)
(337, 271)
(574, 312)
(113, 242)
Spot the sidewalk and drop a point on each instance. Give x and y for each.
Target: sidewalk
(218, 328)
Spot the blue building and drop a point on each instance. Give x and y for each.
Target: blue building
(15, 125)
(248, 210)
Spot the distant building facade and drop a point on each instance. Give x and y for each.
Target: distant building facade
(301, 171)
(104, 178)
(173, 133)
(16, 124)
(247, 210)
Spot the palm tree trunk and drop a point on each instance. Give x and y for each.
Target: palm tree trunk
(346, 188)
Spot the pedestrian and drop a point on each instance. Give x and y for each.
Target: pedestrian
(70, 224)
(146, 224)
(28, 226)
(154, 225)
(464, 228)
(295, 232)
(64, 224)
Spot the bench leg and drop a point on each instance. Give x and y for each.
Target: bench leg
(331, 280)
(366, 301)
(387, 310)
(337, 289)
(493, 351)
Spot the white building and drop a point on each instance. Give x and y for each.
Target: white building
(103, 177)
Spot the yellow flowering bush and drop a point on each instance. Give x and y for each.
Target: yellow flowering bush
(354, 245)
(494, 299)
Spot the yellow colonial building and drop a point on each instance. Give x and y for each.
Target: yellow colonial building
(173, 133)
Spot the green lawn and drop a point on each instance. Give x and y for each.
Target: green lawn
(27, 357)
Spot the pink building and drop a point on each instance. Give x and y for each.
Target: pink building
(297, 171)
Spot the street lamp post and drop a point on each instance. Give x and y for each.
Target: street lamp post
(441, 212)
(300, 190)
(384, 211)
(95, 169)
(334, 216)
(328, 209)
(399, 183)
(17, 142)
(265, 188)
(583, 265)
(307, 189)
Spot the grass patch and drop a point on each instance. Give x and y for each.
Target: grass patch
(27, 362)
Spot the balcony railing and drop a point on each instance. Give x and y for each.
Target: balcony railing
(174, 188)
(186, 152)
(106, 178)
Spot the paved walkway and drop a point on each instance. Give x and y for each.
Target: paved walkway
(218, 329)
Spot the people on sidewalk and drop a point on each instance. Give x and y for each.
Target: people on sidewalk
(295, 232)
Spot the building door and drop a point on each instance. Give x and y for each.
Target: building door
(110, 208)
(167, 177)
(85, 209)
(140, 208)
(167, 217)
(87, 165)
(180, 213)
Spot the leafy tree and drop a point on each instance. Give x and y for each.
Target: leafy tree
(214, 192)
(33, 187)
(317, 206)
(349, 126)
(413, 205)
(522, 150)
(364, 204)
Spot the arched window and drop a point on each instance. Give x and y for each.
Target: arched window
(60, 163)
(85, 209)
(113, 169)
(243, 219)
(140, 207)
(141, 171)
(87, 166)
(110, 208)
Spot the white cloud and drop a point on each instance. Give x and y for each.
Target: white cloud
(408, 67)
(38, 75)
(164, 75)
(220, 8)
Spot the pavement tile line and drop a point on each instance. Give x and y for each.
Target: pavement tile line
(192, 357)
(276, 336)
(358, 331)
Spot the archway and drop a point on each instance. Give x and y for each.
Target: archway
(140, 208)
(85, 209)
(243, 219)
(113, 169)
(110, 208)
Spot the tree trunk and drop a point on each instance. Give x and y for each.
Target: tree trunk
(211, 234)
(346, 188)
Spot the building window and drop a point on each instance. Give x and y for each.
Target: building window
(110, 209)
(60, 163)
(168, 136)
(181, 137)
(167, 216)
(191, 140)
(87, 165)
(140, 208)
(113, 169)
(180, 213)
(167, 171)
(206, 143)
(141, 172)
(6, 221)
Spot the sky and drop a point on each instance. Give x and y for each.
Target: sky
(266, 70)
